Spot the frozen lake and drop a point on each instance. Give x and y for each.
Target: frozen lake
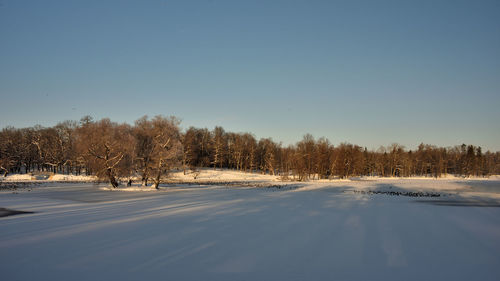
(323, 231)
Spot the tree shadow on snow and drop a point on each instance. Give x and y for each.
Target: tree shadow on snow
(8, 212)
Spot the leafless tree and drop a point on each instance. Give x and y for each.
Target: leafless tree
(153, 146)
(219, 146)
(107, 146)
(167, 148)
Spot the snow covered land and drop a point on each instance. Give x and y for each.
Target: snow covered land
(261, 229)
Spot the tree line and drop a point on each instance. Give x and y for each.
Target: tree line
(154, 146)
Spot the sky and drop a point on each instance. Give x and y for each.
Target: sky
(370, 73)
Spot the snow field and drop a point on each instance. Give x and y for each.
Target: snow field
(319, 231)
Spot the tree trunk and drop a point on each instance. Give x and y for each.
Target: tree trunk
(156, 180)
(144, 179)
(184, 164)
(112, 178)
(5, 171)
(145, 172)
(156, 183)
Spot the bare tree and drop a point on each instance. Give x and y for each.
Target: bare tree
(191, 149)
(167, 147)
(106, 145)
(152, 147)
(144, 134)
(267, 150)
(8, 148)
(219, 146)
(323, 157)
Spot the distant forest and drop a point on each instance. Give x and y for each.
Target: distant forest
(154, 146)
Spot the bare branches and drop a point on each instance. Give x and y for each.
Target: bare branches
(158, 146)
(153, 146)
(104, 146)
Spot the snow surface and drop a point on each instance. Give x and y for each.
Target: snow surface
(60, 177)
(211, 175)
(55, 177)
(317, 231)
(16, 177)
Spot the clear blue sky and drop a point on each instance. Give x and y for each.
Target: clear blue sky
(366, 72)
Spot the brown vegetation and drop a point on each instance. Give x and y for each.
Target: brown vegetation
(154, 146)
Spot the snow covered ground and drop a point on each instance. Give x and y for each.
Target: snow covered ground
(51, 178)
(334, 230)
(207, 175)
(201, 175)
